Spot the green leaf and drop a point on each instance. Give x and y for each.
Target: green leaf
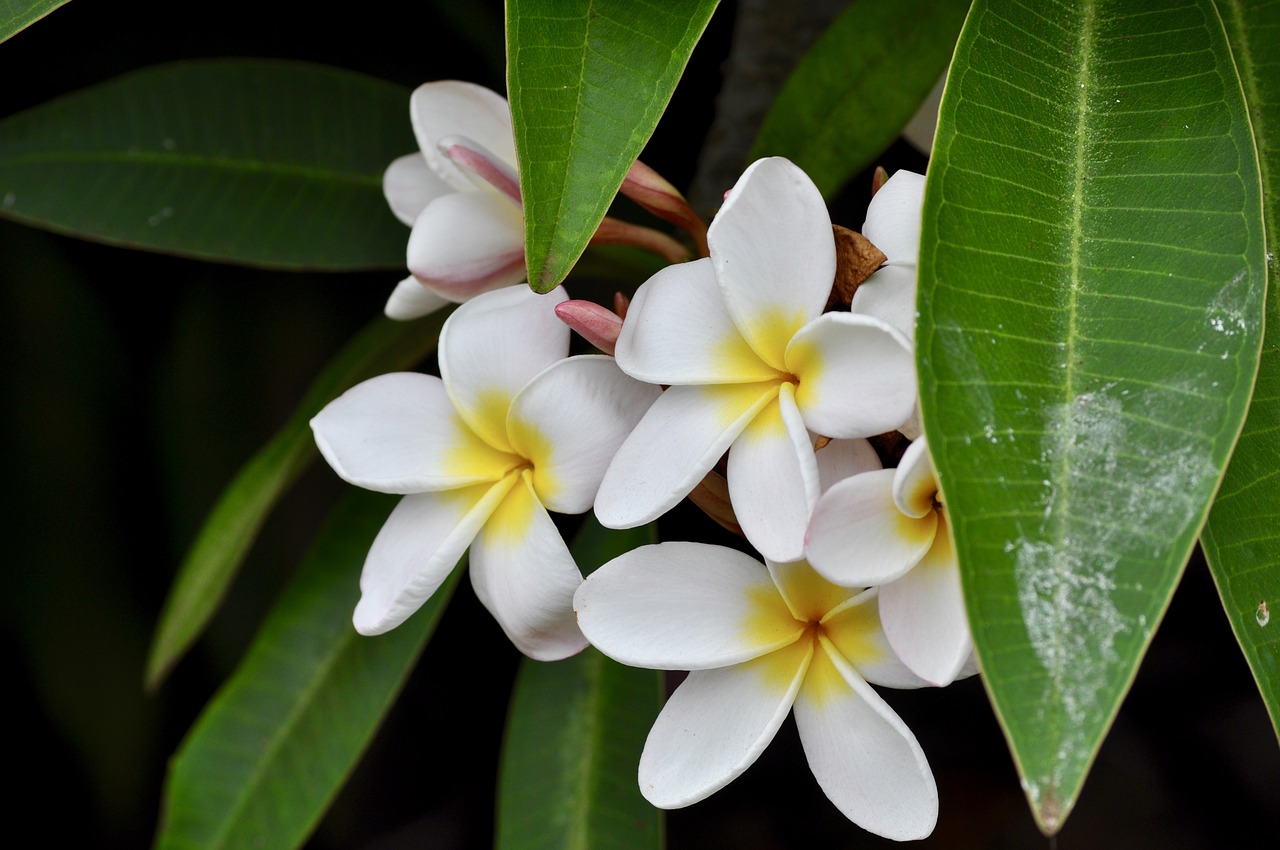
(1240, 540)
(232, 526)
(574, 735)
(238, 160)
(588, 81)
(856, 88)
(17, 15)
(274, 746)
(1091, 293)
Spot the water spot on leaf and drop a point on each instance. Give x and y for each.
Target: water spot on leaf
(1263, 615)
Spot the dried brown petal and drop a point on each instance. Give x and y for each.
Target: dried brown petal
(856, 259)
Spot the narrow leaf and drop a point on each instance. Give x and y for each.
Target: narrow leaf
(1092, 284)
(233, 524)
(237, 160)
(574, 735)
(274, 746)
(857, 87)
(17, 15)
(587, 80)
(1241, 541)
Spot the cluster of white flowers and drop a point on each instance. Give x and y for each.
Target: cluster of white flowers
(735, 354)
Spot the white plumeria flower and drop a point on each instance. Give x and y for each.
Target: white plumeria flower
(461, 195)
(761, 641)
(753, 363)
(887, 528)
(514, 428)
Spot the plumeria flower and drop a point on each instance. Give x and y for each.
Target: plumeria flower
(754, 364)
(759, 642)
(512, 428)
(888, 528)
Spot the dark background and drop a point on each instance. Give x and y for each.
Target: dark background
(135, 385)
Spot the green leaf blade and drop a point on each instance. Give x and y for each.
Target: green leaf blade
(1084, 379)
(274, 746)
(265, 163)
(575, 731)
(587, 85)
(17, 15)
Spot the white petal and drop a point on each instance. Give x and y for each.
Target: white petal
(399, 433)
(773, 479)
(924, 617)
(412, 300)
(492, 346)
(855, 630)
(569, 420)
(684, 606)
(678, 331)
(864, 757)
(893, 217)
(774, 254)
(409, 185)
(467, 243)
(890, 296)
(523, 573)
(858, 537)
(839, 459)
(676, 443)
(716, 725)
(453, 108)
(857, 375)
(915, 485)
(418, 546)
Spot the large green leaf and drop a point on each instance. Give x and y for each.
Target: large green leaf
(574, 735)
(588, 81)
(857, 87)
(274, 746)
(233, 524)
(1091, 293)
(17, 15)
(1241, 540)
(248, 161)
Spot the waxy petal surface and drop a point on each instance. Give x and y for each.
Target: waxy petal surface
(412, 300)
(840, 459)
(409, 185)
(893, 217)
(455, 108)
(857, 633)
(890, 296)
(915, 485)
(467, 243)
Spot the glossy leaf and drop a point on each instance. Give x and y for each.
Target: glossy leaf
(237, 160)
(1092, 282)
(233, 524)
(17, 15)
(587, 81)
(574, 735)
(274, 746)
(1241, 540)
(857, 87)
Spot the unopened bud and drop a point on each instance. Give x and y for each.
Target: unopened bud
(592, 322)
(651, 191)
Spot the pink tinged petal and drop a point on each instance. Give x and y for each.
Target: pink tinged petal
(421, 541)
(893, 217)
(864, 757)
(773, 479)
(651, 190)
(491, 347)
(409, 185)
(890, 296)
(924, 616)
(569, 421)
(716, 725)
(840, 459)
(859, 538)
(856, 632)
(857, 375)
(915, 484)
(684, 606)
(411, 300)
(598, 325)
(467, 243)
(673, 447)
(484, 169)
(523, 573)
(399, 433)
(774, 255)
(678, 331)
(453, 108)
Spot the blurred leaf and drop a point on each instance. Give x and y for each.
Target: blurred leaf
(274, 746)
(237, 160)
(588, 81)
(1091, 296)
(856, 88)
(17, 15)
(233, 524)
(1241, 541)
(574, 735)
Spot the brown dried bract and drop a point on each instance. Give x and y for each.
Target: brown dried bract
(856, 259)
